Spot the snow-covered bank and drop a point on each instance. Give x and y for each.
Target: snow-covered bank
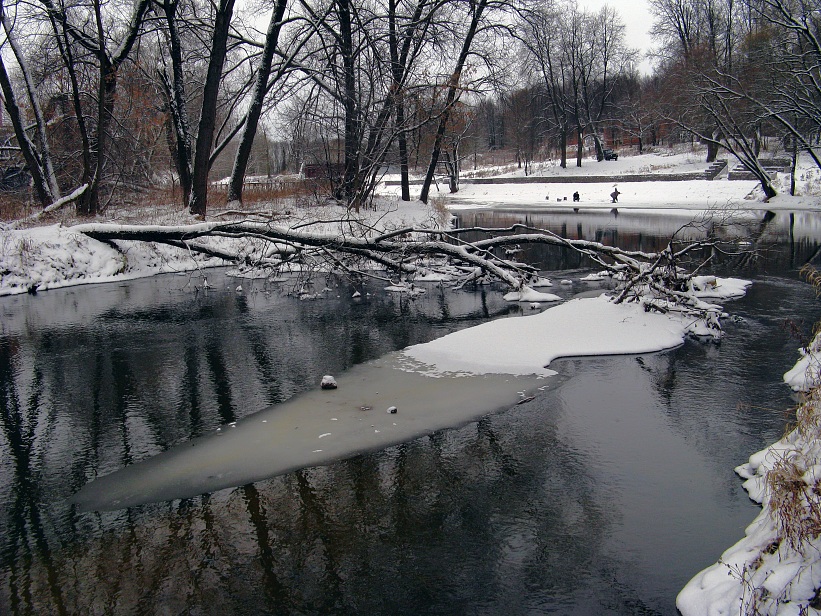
(776, 568)
(693, 195)
(689, 195)
(55, 256)
(806, 373)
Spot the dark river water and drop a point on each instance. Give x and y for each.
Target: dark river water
(603, 495)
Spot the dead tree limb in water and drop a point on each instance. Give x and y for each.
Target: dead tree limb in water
(656, 279)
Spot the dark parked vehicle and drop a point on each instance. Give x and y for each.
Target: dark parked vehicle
(610, 155)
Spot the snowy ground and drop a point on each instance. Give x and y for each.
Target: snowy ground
(628, 163)
(720, 193)
(53, 256)
(693, 194)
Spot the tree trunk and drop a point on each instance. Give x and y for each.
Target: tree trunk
(398, 74)
(27, 148)
(89, 202)
(352, 136)
(46, 168)
(403, 150)
(208, 116)
(793, 165)
(453, 85)
(655, 277)
(182, 150)
(598, 145)
(563, 146)
(757, 141)
(453, 169)
(579, 145)
(712, 151)
(77, 103)
(261, 86)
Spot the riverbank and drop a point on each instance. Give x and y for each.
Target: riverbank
(53, 256)
(48, 255)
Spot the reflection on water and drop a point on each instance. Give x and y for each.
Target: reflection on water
(604, 495)
(782, 240)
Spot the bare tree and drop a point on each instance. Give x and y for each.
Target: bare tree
(579, 57)
(542, 39)
(477, 8)
(91, 32)
(737, 81)
(262, 86)
(174, 90)
(37, 156)
(197, 203)
(637, 109)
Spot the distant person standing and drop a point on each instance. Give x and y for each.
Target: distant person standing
(615, 195)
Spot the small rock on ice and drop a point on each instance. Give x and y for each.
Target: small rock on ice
(392, 410)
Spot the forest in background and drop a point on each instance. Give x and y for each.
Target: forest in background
(156, 99)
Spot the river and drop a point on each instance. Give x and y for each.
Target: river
(603, 495)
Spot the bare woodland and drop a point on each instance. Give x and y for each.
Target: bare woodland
(108, 100)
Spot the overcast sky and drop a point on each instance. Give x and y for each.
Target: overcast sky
(637, 20)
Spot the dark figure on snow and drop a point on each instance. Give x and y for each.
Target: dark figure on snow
(576, 196)
(615, 195)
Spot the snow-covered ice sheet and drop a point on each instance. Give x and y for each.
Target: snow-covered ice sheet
(527, 345)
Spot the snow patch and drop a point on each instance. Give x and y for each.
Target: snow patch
(527, 345)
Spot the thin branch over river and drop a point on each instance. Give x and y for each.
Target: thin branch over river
(656, 279)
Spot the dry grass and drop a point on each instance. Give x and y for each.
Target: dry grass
(813, 276)
(165, 203)
(13, 206)
(275, 192)
(795, 501)
(795, 493)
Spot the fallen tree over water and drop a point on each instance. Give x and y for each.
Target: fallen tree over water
(400, 256)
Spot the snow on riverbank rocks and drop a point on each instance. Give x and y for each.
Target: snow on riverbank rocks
(806, 373)
(710, 287)
(776, 568)
(526, 294)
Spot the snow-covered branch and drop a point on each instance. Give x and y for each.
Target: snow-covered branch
(62, 201)
(656, 279)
